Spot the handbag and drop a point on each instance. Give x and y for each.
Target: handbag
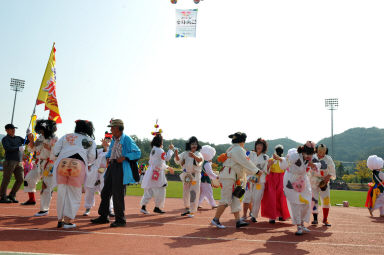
(238, 192)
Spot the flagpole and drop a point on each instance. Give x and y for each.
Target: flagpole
(34, 108)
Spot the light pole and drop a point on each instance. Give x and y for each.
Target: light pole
(16, 85)
(332, 104)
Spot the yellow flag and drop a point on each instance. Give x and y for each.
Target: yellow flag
(33, 125)
(47, 92)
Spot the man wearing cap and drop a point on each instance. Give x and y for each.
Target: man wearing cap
(118, 174)
(14, 148)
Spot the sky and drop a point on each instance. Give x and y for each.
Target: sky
(258, 66)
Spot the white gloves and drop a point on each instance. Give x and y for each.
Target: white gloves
(21, 148)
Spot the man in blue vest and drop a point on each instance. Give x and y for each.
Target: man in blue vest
(121, 150)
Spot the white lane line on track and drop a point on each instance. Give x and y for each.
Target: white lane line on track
(32, 253)
(208, 225)
(199, 238)
(340, 223)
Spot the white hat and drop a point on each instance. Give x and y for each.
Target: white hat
(208, 152)
(374, 162)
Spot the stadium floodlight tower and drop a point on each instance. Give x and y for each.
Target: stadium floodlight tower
(17, 86)
(332, 104)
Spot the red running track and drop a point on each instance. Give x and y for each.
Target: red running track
(352, 232)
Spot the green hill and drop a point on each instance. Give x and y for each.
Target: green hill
(357, 144)
(352, 145)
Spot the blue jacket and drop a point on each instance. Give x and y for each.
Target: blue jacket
(130, 151)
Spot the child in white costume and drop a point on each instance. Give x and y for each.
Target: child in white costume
(320, 184)
(207, 174)
(375, 196)
(236, 165)
(95, 177)
(191, 162)
(297, 187)
(155, 182)
(255, 184)
(74, 153)
(43, 147)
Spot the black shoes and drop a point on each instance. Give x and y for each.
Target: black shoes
(13, 199)
(186, 213)
(60, 224)
(253, 219)
(272, 221)
(158, 210)
(117, 224)
(29, 203)
(100, 220)
(5, 200)
(241, 223)
(315, 222)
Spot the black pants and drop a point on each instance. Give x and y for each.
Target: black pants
(113, 186)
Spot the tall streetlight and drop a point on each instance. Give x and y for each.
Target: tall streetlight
(16, 85)
(332, 104)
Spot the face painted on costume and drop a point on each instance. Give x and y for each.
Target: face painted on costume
(193, 147)
(259, 148)
(321, 153)
(69, 167)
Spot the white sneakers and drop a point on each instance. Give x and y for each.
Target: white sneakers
(87, 212)
(41, 213)
(143, 211)
(301, 230)
(217, 224)
(69, 225)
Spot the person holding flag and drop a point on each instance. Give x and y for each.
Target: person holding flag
(45, 159)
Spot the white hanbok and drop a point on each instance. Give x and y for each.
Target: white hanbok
(206, 191)
(191, 178)
(236, 167)
(316, 178)
(255, 184)
(95, 180)
(155, 182)
(69, 196)
(43, 169)
(297, 187)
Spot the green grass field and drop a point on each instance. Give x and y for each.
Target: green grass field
(175, 190)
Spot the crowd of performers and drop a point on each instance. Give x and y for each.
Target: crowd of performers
(275, 187)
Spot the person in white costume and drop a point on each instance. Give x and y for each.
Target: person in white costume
(297, 187)
(43, 147)
(255, 184)
(191, 162)
(320, 184)
(95, 178)
(74, 153)
(375, 196)
(236, 165)
(155, 182)
(207, 174)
